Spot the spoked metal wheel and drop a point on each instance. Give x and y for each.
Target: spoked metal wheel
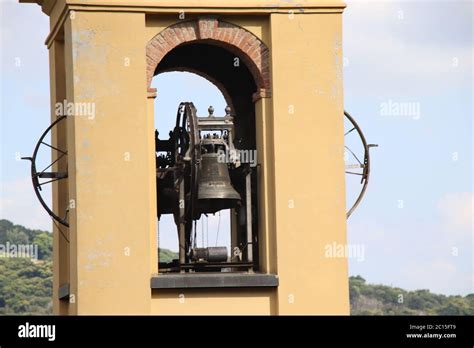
(43, 174)
(187, 157)
(186, 149)
(357, 162)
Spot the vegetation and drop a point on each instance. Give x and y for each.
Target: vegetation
(26, 284)
(369, 299)
(166, 255)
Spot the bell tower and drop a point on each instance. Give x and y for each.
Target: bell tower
(279, 66)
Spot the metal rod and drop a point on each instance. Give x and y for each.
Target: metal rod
(54, 148)
(354, 173)
(48, 182)
(182, 237)
(218, 226)
(248, 213)
(57, 159)
(353, 154)
(349, 131)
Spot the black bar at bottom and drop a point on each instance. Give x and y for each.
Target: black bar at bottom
(135, 330)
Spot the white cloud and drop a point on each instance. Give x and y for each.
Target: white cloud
(440, 276)
(23, 30)
(425, 255)
(457, 211)
(413, 55)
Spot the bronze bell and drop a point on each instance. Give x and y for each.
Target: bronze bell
(215, 191)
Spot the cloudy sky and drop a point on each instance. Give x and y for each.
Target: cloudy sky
(416, 222)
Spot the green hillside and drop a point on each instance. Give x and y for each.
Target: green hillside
(26, 284)
(370, 299)
(166, 255)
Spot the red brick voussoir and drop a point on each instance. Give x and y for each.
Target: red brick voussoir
(245, 45)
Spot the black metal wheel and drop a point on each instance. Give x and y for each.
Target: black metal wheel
(187, 158)
(357, 158)
(188, 152)
(47, 176)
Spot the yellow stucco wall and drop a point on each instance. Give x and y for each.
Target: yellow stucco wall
(111, 164)
(309, 169)
(111, 168)
(214, 302)
(61, 261)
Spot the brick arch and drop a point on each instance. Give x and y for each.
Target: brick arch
(239, 41)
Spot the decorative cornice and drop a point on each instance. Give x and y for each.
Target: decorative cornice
(208, 7)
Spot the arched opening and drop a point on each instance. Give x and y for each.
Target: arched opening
(229, 82)
(228, 72)
(175, 87)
